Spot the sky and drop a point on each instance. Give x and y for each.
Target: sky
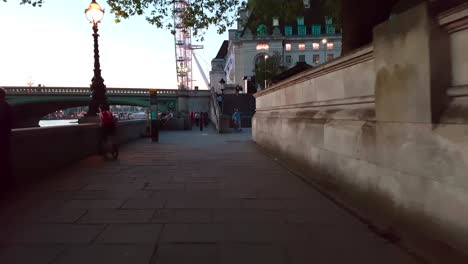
(52, 45)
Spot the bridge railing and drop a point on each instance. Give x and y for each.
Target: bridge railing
(23, 90)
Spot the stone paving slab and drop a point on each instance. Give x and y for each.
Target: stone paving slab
(130, 234)
(194, 197)
(27, 254)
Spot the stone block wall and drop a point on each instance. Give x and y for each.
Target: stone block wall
(37, 152)
(391, 140)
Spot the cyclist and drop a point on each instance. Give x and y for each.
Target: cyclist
(108, 126)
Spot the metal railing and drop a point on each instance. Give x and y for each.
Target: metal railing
(81, 91)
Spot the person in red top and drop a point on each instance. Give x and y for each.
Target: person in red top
(192, 118)
(108, 123)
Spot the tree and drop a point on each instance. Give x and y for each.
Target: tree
(356, 18)
(267, 68)
(198, 16)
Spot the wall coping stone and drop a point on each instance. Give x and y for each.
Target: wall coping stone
(334, 102)
(455, 19)
(358, 56)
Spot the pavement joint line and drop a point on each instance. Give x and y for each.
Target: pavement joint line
(93, 241)
(155, 256)
(81, 216)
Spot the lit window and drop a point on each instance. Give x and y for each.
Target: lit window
(275, 21)
(330, 45)
(288, 46)
(301, 46)
(262, 46)
(301, 58)
(315, 46)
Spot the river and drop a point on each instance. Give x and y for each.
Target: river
(66, 122)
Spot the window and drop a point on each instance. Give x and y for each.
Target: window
(301, 46)
(316, 58)
(330, 29)
(262, 46)
(315, 46)
(301, 30)
(316, 30)
(300, 21)
(288, 30)
(288, 59)
(275, 21)
(329, 57)
(262, 30)
(287, 46)
(301, 58)
(330, 45)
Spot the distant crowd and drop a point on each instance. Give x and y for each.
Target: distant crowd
(199, 119)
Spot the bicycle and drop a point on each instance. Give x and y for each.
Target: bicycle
(108, 148)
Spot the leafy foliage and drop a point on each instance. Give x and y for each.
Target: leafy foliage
(201, 14)
(198, 15)
(268, 68)
(333, 9)
(31, 2)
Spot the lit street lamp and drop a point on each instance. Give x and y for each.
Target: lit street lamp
(95, 13)
(324, 42)
(222, 82)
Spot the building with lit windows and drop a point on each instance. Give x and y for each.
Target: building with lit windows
(309, 38)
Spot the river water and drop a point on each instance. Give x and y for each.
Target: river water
(49, 123)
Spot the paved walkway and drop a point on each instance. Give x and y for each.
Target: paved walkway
(193, 198)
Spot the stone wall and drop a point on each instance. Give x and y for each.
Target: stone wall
(37, 152)
(384, 128)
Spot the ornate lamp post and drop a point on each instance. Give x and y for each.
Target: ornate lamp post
(222, 82)
(324, 42)
(95, 13)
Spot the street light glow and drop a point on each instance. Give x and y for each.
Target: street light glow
(94, 12)
(324, 41)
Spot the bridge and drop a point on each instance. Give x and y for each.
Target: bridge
(30, 104)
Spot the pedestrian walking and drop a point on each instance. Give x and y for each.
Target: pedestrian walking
(192, 119)
(6, 122)
(201, 121)
(197, 118)
(236, 118)
(206, 118)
